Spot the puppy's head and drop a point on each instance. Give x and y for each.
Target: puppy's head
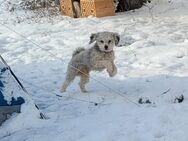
(105, 40)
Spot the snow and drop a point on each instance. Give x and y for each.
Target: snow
(152, 64)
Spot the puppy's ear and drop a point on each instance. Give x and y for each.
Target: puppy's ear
(116, 38)
(92, 38)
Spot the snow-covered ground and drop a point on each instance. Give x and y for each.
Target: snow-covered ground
(152, 63)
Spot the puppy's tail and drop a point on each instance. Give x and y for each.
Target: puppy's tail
(77, 51)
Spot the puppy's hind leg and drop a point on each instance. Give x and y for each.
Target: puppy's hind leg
(83, 80)
(69, 78)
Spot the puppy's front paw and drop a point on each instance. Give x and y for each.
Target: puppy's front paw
(113, 73)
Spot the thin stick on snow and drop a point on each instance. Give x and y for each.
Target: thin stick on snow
(166, 91)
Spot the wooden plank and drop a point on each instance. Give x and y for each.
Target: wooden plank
(9, 109)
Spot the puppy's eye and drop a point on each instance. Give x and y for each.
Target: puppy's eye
(102, 41)
(109, 41)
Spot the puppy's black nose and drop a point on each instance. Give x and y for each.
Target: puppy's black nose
(106, 47)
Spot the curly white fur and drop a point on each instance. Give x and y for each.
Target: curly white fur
(97, 58)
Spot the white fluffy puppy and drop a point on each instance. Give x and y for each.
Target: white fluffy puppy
(97, 58)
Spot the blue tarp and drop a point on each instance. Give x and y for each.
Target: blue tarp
(12, 93)
(4, 76)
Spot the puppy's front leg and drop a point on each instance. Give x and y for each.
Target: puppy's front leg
(111, 69)
(114, 72)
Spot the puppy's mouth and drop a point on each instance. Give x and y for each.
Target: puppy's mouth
(107, 50)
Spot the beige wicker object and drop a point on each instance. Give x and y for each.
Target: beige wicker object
(98, 8)
(67, 7)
